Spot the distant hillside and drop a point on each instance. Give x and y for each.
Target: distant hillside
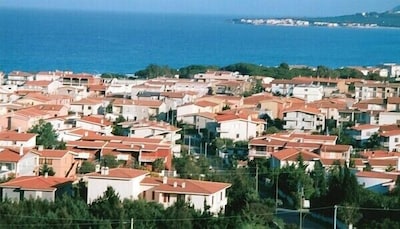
(390, 18)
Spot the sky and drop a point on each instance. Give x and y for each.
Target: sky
(220, 7)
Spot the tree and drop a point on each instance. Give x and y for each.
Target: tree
(373, 141)
(46, 135)
(110, 161)
(117, 129)
(108, 206)
(87, 167)
(46, 169)
(158, 165)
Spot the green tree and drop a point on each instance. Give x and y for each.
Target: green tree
(158, 165)
(373, 142)
(117, 128)
(108, 207)
(46, 135)
(87, 167)
(109, 161)
(46, 169)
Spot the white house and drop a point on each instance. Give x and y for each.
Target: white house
(308, 92)
(97, 124)
(125, 182)
(304, 119)
(87, 107)
(18, 161)
(287, 157)
(379, 182)
(167, 191)
(240, 127)
(388, 118)
(44, 86)
(362, 133)
(19, 78)
(391, 140)
(197, 107)
(11, 138)
(45, 188)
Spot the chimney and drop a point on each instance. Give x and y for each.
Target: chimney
(46, 174)
(40, 148)
(86, 133)
(102, 121)
(21, 150)
(183, 185)
(8, 123)
(104, 171)
(165, 180)
(19, 129)
(97, 169)
(175, 184)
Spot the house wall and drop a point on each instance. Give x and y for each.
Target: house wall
(11, 194)
(310, 93)
(238, 130)
(387, 118)
(133, 112)
(129, 189)
(303, 121)
(374, 184)
(27, 165)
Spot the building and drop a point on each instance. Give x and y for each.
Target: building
(61, 161)
(303, 119)
(167, 191)
(125, 182)
(308, 92)
(134, 184)
(19, 78)
(18, 162)
(41, 187)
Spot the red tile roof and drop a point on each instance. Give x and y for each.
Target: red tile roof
(39, 83)
(15, 136)
(335, 148)
(206, 104)
(292, 155)
(7, 155)
(36, 183)
(364, 127)
(47, 153)
(95, 120)
(190, 187)
(123, 173)
(371, 174)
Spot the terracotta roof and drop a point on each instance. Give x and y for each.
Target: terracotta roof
(14, 136)
(39, 83)
(264, 142)
(335, 148)
(95, 120)
(123, 173)
(390, 133)
(147, 124)
(292, 155)
(19, 73)
(52, 153)
(37, 96)
(87, 101)
(148, 103)
(364, 127)
(190, 187)
(173, 94)
(371, 174)
(7, 155)
(36, 183)
(49, 107)
(206, 104)
(383, 162)
(305, 109)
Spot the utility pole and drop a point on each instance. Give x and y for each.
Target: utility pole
(334, 216)
(189, 145)
(257, 178)
(276, 192)
(301, 207)
(131, 223)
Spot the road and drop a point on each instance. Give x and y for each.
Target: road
(292, 217)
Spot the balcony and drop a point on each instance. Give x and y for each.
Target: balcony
(385, 144)
(219, 130)
(290, 118)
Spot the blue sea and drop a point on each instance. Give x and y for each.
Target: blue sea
(97, 42)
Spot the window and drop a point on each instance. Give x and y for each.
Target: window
(153, 195)
(396, 139)
(222, 194)
(212, 200)
(237, 135)
(166, 197)
(181, 197)
(47, 161)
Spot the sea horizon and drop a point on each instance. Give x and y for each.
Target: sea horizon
(125, 42)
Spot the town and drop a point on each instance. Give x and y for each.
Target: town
(224, 142)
